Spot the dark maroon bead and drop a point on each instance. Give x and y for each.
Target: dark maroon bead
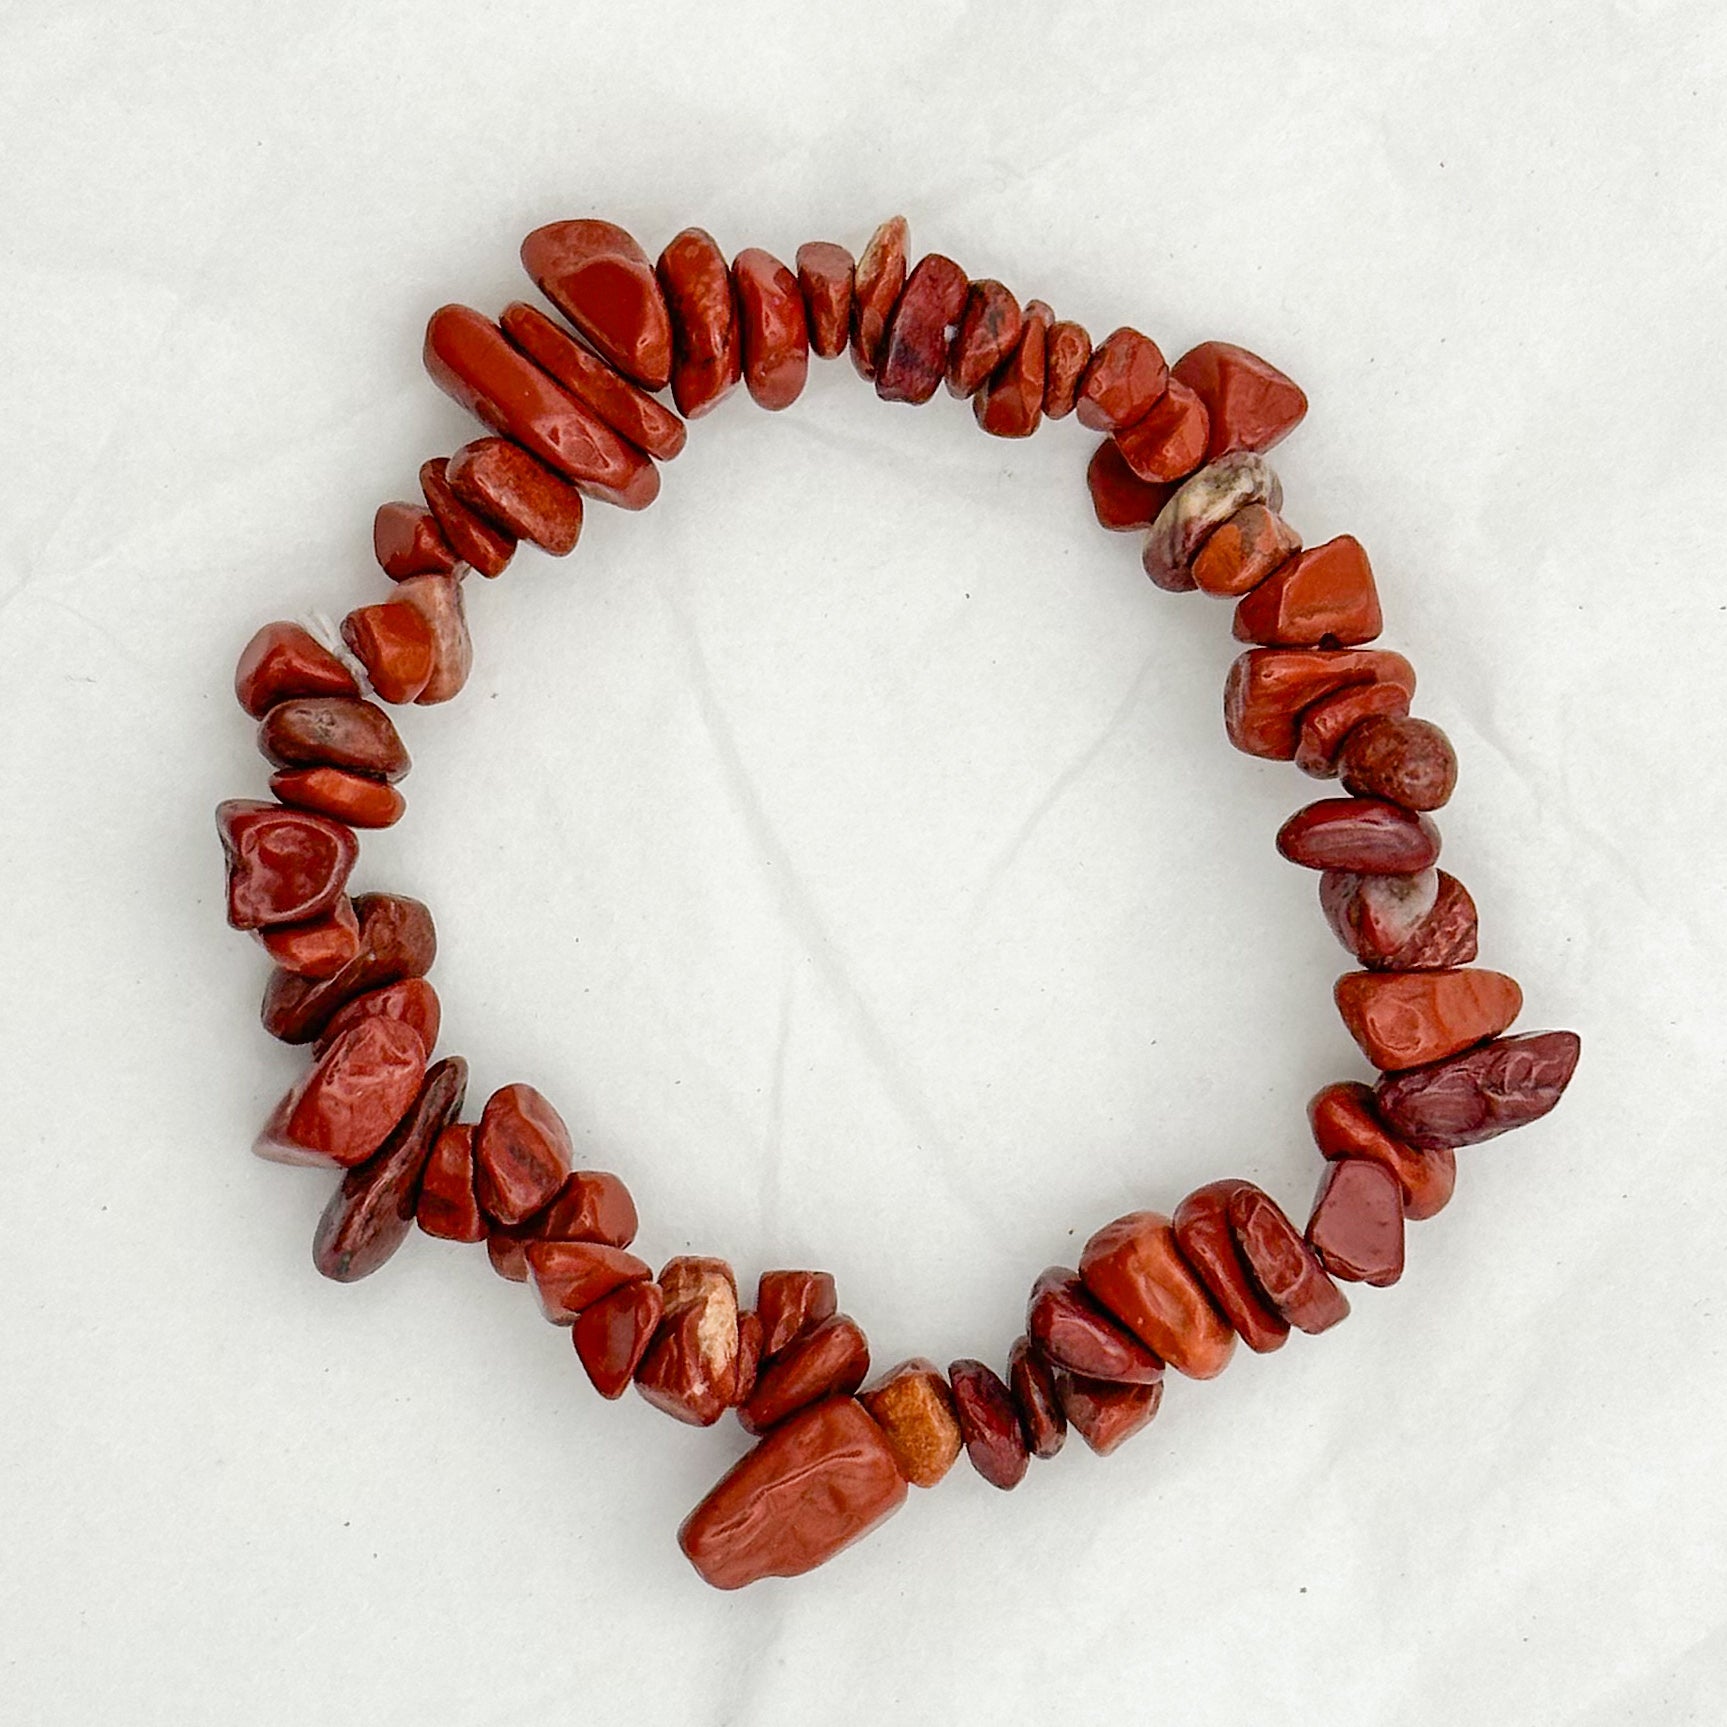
(989, 1423)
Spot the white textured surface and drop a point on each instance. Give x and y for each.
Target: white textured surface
(850, 847)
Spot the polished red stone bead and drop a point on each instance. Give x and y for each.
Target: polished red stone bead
(1135, 1270)
(521, 1154)
(508, 486)
(1365, 835)
(346, 1105)
(413, 1001)
(821, 1481)
(913, 1407)
(989, 330)
(570, 1276)
(1410, 1018)
(1357, 1223)
(357, 800)
(914, 349)
(1067, 354)
(319, 948)
(988, 1423)
(593, 1205)
(1406, 761)
(1200, 506)
(1010, 402)
(1168, 442)
(1103, 1414)
(613, 1334)
(1242, 552)
(707, 342)
(370, 1213)
(690, 1369)
(283, 660)
(831, 1359)
(438, 600)
(1327, 723)
(1325, 595)
(1346, 1124)
(749, 1358)
(1207, 1243)
(478, 542)
(1032, 1382)
(601, 280)
(1401, 923)
(469, 359)
(1075, 1333)
(628, 410)
(1251, 405)
(334, 731)
(789, 1303)
(876, 286)
(394, 643)
(397, 940)
(1483, 1092)
(775, 327)
(284, 865)
(825, 280)
(1124, 380)
(447, 1207)
(1288, 1275)
(407, 541)
(1121, 500)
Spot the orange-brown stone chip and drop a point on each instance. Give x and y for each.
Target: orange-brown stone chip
(912, 1406)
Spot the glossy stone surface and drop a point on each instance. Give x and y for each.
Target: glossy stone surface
(876, 285)
(1483, 1092)
(1207, 1243)
(1120, 499)
(407, 541)
(913, 1407)
(1410, 1018)
(1135, 1270)
(346, 1105)
(989, 330)
(601, 280)
(1269, 689)
(468, 357)
(690, 1369)
(825, 281)
(593, 1205)
(630, 411)
(355, 800)
(1325, 595)
(1251, 405)
(481, 544)
(284, 866)
(821, 1481)
(831, 1359)
(521, 1154)
(1401, 923)
(1405, 761)
(988, 1423)
(1106, 1415)
(1199, 506)
(505, 484)
(397, 940)
(613, 1334)
(1073, 1332)
(1123, 381)
(438, 600)
(775, 329)
(413, 1001)
(1364, 835)
(1066, 356)
(1345, 1123)
(1357, 1224)
(1168, 442)
(1326, 724)
(707, 343)
(370, 1213)
(284, 660)
(1284, 1267)
(570, 1276)
(318, 948)
(334, 731)
(1243, 551)
(1009, 404)
(913, 357)
(1032, 1382)
(789, 1302)
(749, 1358)
(394, 643)
(447, 1207)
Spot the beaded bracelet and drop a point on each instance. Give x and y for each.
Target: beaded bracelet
(575, 416)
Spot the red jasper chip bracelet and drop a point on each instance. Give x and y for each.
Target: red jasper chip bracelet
(573, 415)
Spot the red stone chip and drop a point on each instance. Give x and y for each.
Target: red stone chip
(1270, 688)
(1284, 1268)
(1366, 835)
(789, 1302)
(1066, 355)
(1103, 1414)
(707, 341)
(1120, 499)
(601, 280)
(831, 1359)
(1168, 442)
(1207, 1243)
(521, 1154)
(351, 1100)
(283, 660)
(1073, 1332)
(447, 1207)
(876, 286)
(285, 866)
(690, 1369)
(1407, 1019)
(613, 1334)
(319, 948)
(913, 358)
(570, 1276)
(1250, 404)
(1407, 761)
(336, 732)
(1010, 402)
(989, 330)
(593, 1205)
(394, 643)
(1032, 1381)
(357, 800)
(1326, 724)
(1482, 1093)
(508, 486)
(1325, 595)
(1357, 1222)
(1346, 1124)
(407, 541)
(825, 281)
(775, 327)
(479, 543)
(1123, 381)
(397, 940)
(1135, 1270)
(1242, 552)
(989, 1423)
(913, 1407)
